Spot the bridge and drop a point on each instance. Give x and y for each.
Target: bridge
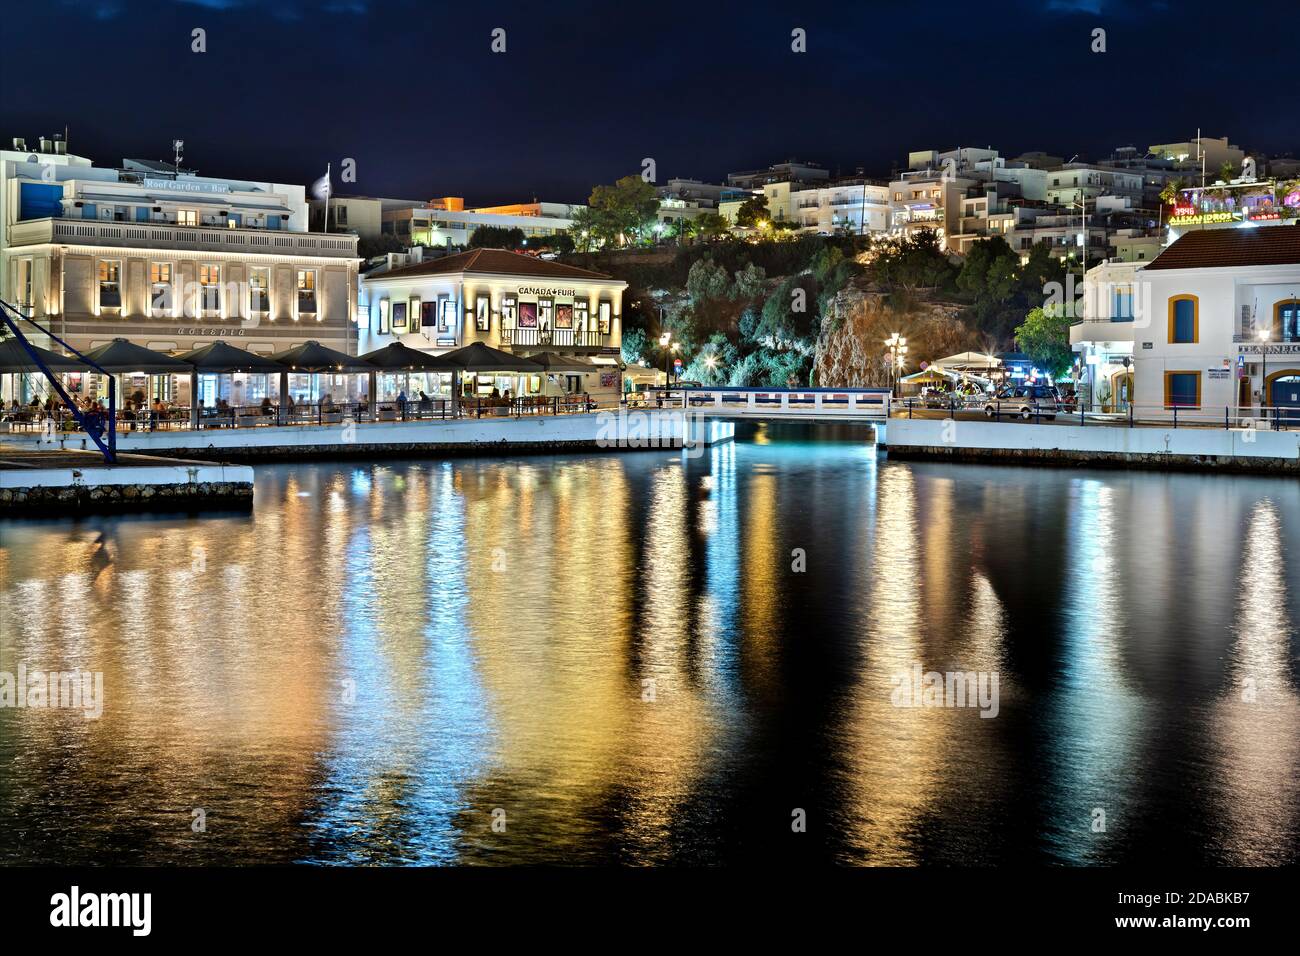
(868, 405)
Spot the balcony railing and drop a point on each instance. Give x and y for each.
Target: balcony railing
(565, 338)
(94, 232)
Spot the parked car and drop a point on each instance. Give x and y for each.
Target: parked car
(1026, 401)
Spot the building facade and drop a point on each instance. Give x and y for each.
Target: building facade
(1224, 334)
(517, 303)
(168, 259)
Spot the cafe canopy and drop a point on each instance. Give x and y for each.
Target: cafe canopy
(123, 356)
(314, 357)
(552, 362)
(15, 358)
(397, 357)
(477, 357)
(221, 357)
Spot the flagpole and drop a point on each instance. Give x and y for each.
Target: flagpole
(328, 189)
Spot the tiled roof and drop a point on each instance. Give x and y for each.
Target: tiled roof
(1221, 248)
(494, 262)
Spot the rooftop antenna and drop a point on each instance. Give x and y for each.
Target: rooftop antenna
(178, 147)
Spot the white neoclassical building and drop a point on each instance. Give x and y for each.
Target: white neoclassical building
(1223, 336)
(168, 259)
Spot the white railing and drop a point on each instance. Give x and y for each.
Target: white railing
(163, 235)
(859, 404)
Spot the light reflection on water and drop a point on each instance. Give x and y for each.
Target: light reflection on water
(617, 654)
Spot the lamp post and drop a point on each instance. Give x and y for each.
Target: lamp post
(897, 346)
(1263, 379)
(665, 343)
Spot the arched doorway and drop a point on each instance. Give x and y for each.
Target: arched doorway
(1283, 392)
(1121, 391)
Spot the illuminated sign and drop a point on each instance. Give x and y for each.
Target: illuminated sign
(181, 185)
(1195, 219)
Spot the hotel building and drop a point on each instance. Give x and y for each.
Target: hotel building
(514, 302)
(168, 259)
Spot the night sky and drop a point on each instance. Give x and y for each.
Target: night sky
(585, 91)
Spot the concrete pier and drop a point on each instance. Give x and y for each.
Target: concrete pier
(1238, 450)
(69, 483)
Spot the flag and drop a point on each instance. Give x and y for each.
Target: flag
(321, 188)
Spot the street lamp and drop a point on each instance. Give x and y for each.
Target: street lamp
(1263, 379)
(897, 346)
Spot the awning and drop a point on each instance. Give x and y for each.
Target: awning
(120, 355)
(224, 357)
(15, 358)
(561, 363)
(478, 357)
(314, 357)
(397, 357)
(969, 360)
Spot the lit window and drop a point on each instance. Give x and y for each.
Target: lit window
(187, 217)
(210, 288)
(258, 290)
(110, 289)
(306, 291)
(160, 280)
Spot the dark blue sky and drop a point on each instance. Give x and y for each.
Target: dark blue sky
(412, 91)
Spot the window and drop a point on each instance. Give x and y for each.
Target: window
(307, 292)
(483, 313)
(1182, 389)
(160, 287)
(210, 288)
(23, 286)
(444, 313)
(509, 312)
(602, 316)
(1286, 320)
(413, 312)
(581, 312)
(384, 320)
(341, 215)
(1183, 324)
(545, 314)
(110, 288)
(1122, 307)
(258, 291)
(187, 217)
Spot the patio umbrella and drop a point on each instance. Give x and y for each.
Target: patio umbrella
(314, 357)
(397, 357)
(15, 358)
(120, 355)
(223, 357)
(478, 357)
(969, 360)
(559, 363)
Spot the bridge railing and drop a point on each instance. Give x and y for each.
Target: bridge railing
(857, 403)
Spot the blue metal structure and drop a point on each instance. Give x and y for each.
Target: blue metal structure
(9, 314)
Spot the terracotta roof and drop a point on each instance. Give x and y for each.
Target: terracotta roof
(494, 262)
(1220, 248)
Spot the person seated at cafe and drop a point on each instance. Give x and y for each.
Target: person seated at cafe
(267, 407)
(326, 403)
(494, 394)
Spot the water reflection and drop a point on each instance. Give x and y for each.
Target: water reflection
(655, 658)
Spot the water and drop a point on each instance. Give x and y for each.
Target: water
(612, 656)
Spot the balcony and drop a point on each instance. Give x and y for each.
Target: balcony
(553, 338)
(1102, 330)
(145, 235)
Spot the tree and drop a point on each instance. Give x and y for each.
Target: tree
(710, 226)
(749, 282)
(706, 282)
(583, 229)
(752, 211)
(1045, 337)
(635, 346)
(379, 246)
(1170, 194)
(496, 237)
(624, 212)
(989, 273)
